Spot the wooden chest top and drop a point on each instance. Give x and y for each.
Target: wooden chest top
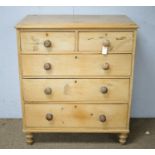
(76, 21)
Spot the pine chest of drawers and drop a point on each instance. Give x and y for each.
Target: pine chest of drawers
(76, 73)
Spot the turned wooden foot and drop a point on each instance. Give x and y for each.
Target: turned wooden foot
(29, 138)
(122, 138)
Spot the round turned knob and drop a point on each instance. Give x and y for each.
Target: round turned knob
(47, 43)
(106, 66)
(106, 43)
(48, 91)
(102, 118)
(47, 66)
(49, 117)
(104, 90)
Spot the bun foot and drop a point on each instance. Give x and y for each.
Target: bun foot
(122, 138)
(29, 138)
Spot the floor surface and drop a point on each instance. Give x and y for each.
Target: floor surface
(11, 136)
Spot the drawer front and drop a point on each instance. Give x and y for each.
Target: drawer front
(44, 42)
(79, 116)
(62, 90)
(118, 42)
(76, 65)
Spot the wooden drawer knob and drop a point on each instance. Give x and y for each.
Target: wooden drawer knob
(102, 118)
(47, 43)
(106, 66)
(106, 43)
(49, 117)
(47, 66)
(48, 91)
(104, 90)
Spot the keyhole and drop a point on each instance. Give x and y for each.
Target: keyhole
(91, 114)
(76, 57)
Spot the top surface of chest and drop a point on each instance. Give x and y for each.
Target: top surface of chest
(76, 21)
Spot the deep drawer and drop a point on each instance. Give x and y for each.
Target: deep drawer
(80, 116)
(76, 65)
(68, 90)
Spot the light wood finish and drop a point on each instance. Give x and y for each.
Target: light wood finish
(120, 42)
(67, 85)
(69, 90)
(29, 138)
(20, 76)
(60, 41)
(77, 21)
(74, 130)
(76, 65)
(132, 78)
(76, 116)
(122, 138)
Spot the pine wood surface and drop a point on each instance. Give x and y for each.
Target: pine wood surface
(76, 73)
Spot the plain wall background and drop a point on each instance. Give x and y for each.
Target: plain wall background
(144, 85)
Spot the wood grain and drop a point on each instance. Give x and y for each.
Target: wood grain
(34, 41)
(77, 116)
(120, 42)
(76, 65)
(77, 21)
(76, 90)
(69, 91)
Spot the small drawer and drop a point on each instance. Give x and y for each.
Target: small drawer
(44, 42)
(81, 90)
(102, 116)
(116, 42)
(94, 65)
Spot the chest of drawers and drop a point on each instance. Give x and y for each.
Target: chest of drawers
(76, 73)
